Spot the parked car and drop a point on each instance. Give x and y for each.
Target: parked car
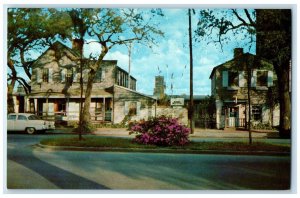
(30, 123)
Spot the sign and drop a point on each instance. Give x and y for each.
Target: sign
(177, 101)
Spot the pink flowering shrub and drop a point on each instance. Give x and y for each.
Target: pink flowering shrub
(161, 131)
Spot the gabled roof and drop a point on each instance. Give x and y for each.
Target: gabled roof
(57, 46)
(233, 59)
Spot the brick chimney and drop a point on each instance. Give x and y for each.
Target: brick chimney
(77, 44)
(238, 51)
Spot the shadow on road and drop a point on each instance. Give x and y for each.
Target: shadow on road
(61, 178)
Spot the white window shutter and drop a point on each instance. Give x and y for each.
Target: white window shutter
(38, 75)
(138, 108)
(242, 80)
(76, 77)
(270, 78)
(102, 74)
(50, 74)
(51, 108)
(253, 78)
(74, 74)
(126, 109)
(225, 78)
(63, 75)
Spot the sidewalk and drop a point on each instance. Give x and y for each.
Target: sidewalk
(198, 133)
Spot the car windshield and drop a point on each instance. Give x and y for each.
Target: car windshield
(33, 117)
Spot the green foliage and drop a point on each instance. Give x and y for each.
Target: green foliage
(262, 126)
(126, 143)
(110, 125)
(73, 124)
(85, 128)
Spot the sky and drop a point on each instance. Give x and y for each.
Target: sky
(170, 58)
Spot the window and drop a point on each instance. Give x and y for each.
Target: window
(11, 117)
(45, 75)
(233, 79)
(22, 117)
(256, 113)
(98, 75)
(233, 112)
(69, 76)
(132, 109)
(262, 78)
(61, 107)
(34, 117)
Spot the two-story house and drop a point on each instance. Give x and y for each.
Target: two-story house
(55, 88)
(230, 89)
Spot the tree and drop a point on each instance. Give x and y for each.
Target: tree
(29, 30)
(222, 23)
(109, 28)
(274, 44)
(273, 31)
(79, 29)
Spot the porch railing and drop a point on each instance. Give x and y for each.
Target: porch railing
(235, 122)
(74, 116)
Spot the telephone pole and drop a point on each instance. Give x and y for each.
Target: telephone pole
(191, 107)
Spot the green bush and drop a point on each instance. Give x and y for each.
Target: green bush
(262, 126)
(86, 128)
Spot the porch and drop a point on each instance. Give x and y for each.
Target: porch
(234, 114)
(65, 110)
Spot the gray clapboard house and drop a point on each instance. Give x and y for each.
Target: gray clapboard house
(55, 88)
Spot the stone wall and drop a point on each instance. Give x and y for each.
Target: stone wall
(180, 113)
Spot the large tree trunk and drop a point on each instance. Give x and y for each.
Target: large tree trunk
(11, 86)
(10, 101)
(86, 117)
(285, 101)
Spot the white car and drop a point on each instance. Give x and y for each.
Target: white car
(27, 122)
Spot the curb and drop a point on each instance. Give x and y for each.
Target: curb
(158, 150)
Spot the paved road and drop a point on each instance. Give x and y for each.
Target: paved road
(30, 167)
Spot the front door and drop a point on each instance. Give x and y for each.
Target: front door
(233, 113)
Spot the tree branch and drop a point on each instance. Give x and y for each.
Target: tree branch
(252, 23)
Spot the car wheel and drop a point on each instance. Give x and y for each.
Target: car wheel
(30, 130)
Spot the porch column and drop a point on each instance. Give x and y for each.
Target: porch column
(47, 108)
(103, 108)
(26, 104)
(219, 105)
(67, 108)
(35, 105)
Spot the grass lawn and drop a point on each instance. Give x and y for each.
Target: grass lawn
(126, 143)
